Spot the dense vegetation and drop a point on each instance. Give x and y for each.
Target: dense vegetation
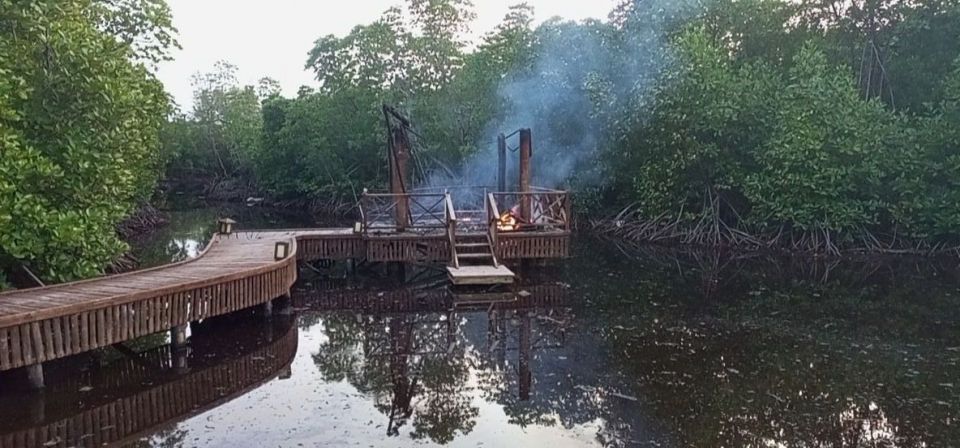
(814, 124)
(819, 124)
(80, 117)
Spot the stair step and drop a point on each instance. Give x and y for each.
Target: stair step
(472, 235)
(474, 256)
(472, 245)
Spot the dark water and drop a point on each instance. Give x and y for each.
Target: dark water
(613, 347)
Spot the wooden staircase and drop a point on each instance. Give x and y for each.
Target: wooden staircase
(473, 260)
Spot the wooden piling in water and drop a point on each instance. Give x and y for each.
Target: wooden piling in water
(35, 376)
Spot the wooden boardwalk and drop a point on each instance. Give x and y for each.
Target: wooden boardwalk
(234, 272)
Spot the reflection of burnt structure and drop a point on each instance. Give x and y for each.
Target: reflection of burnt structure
(423, 344)
(134, 396)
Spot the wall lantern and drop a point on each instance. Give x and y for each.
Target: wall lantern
(357, 227)
(225, 226)
(281, 250)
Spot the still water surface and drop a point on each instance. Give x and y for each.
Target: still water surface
(614, 347)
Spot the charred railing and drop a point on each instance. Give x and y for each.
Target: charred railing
(493, 225)
(400, 212)
(537, 210)
(451, 220)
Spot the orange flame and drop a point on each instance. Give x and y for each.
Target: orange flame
(507, 222)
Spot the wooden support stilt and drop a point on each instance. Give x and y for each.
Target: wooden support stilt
(178, 337)
(285, 304)
(181, 359)
(268, 308)
(35, 376)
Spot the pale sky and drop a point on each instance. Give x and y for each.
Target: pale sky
(272, 37)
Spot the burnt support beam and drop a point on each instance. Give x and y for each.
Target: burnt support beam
(526, 154)
(501, 163)
(399, 161)
(35, 376)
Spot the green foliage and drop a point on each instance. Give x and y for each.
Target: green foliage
(79, 126)
(223, 135)
(322, 146)
(708, 117)
(824, 165)
(764, 115)
(929, 188)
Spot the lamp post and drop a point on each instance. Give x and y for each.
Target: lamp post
(225, 226)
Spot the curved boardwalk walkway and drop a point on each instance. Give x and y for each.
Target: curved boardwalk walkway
(234, 272)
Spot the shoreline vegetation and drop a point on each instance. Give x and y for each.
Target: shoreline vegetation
(820, 127)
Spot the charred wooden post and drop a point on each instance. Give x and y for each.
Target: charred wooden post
(399, 160)
(526, 153)
(35, 376)
(501, 162)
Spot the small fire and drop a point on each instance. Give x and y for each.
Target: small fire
(507, 222)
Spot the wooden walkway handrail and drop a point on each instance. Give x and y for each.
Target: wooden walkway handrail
(122, 298)
(232, 273)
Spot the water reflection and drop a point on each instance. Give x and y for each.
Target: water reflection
(426, 357)
(147, 393)
(616, 347)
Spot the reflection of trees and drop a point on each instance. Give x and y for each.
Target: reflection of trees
(409, 364)
(766, 352)
(427, 364)
(189, 230)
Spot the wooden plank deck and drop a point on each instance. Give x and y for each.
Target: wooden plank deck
(233, 272)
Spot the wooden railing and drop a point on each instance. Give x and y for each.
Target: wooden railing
(450, 216)
(493, 222)
(539, 209)
(57, 332)
(393, 212)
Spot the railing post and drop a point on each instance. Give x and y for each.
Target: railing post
(526, 153)
(451, 217)
(363, 213)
